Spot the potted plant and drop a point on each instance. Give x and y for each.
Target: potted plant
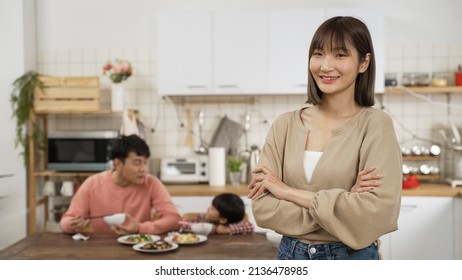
(234, 165)
(22, 101)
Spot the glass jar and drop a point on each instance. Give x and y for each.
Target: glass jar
(440, 79)
(390, 80)
(416, 79)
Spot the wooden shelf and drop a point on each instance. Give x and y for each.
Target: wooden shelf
(99, 112)
(53, 173)
(424, 89)
(419, 158)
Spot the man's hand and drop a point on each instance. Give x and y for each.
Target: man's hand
(130, 226)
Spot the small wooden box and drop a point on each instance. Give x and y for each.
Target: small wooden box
(67, 94)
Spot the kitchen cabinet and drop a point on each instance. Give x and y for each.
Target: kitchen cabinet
(184, 53)
(222, 52)
(240, 52)
(425, 230)
(290, 33)
(246, 52)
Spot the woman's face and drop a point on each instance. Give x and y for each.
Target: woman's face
(335, 70)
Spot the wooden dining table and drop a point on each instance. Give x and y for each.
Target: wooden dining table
(60, 246)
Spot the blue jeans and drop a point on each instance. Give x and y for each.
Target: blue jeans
(292, 249)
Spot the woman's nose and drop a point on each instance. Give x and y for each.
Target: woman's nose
(326, 64)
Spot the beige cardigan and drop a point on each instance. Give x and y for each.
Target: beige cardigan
(335, 214)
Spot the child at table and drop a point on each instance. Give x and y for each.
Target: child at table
(227, 213)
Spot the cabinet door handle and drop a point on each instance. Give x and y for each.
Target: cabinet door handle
(408, 207)
(227, 86)
(196, 86)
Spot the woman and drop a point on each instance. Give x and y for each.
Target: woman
(329, 175)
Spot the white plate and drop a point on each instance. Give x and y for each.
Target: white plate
(123, 239)
(138, 247)
(202, 238)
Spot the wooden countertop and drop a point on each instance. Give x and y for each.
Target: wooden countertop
(60, 246)
(206, 190)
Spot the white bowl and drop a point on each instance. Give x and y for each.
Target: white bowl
(274, 238)
(202, 228)
(116, 219)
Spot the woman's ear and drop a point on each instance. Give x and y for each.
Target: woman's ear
(364, 64)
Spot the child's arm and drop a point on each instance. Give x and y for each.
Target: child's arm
(199, 218)
(242, 227)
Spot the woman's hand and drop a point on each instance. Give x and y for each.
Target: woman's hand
(366, 180)
(263, 181)
(130, 226)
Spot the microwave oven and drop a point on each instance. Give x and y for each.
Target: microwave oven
(80, 151)
(183, 170)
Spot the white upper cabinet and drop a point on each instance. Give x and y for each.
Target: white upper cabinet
(290, 33)
(246, 52)
(184, 53)
(240, 52)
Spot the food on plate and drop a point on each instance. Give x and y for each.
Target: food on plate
(138, 238)
(157, 245)
(185, 238)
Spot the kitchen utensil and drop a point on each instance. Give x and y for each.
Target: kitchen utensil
(189, 138)
(455, 133)
(246, 131)
(253, 160)
(113, 220)
(95, 217)
(202, 149)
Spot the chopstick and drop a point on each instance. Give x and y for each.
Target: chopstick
(94, 217)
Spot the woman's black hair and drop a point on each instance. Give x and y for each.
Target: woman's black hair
(337, 32)
(230, 206)
(126, 144)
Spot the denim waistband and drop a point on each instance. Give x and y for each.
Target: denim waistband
(291, 248)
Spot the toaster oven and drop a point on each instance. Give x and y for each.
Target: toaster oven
(182, 170)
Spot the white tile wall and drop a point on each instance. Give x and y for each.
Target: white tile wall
(165, 120)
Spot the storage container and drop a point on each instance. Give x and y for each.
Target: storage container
(67, 94)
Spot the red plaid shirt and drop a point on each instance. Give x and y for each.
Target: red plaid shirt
(242, 227)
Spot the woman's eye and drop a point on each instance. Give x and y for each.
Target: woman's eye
(317, 54)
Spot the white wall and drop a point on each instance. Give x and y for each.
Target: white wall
(15, 62)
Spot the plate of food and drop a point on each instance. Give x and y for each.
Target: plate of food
(186, 238)
(132, 239)
(158, 246)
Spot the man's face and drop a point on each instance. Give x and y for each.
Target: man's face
(133, 170)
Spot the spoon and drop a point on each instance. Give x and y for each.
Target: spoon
(79, 236)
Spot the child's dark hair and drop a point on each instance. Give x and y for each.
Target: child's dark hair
(125, 144)
(229, 206)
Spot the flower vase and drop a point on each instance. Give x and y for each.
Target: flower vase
(117, 97)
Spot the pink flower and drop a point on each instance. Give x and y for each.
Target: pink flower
(119, 71)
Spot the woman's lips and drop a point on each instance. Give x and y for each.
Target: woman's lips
(329, 79)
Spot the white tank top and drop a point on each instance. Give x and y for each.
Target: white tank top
(310, 159)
